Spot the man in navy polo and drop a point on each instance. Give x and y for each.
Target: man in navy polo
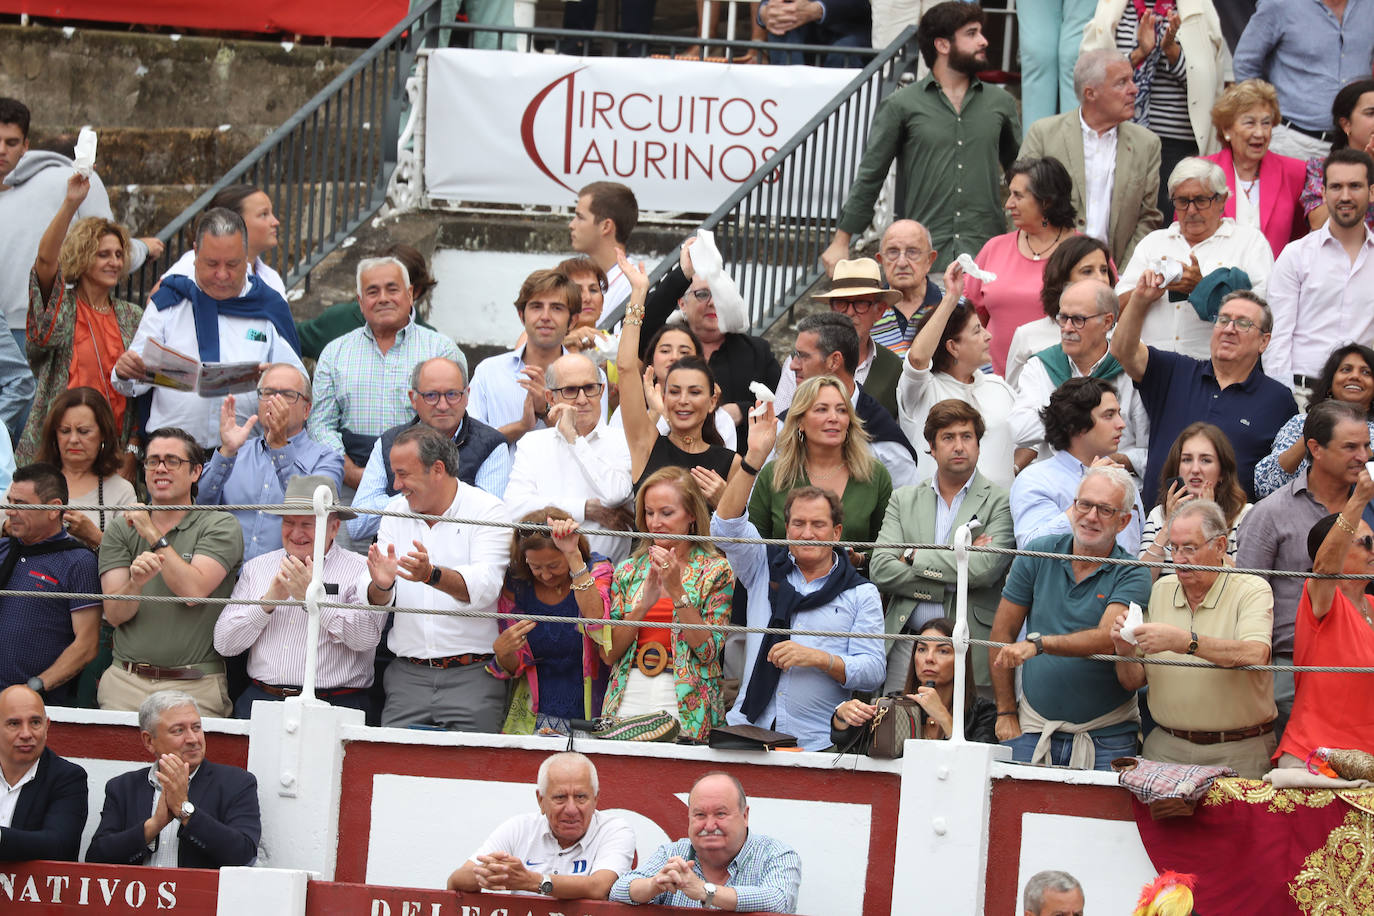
(1229, 390)
(47, 640)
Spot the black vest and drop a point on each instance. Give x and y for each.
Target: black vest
(475, 440)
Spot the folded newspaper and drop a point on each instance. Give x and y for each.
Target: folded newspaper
(170, 368)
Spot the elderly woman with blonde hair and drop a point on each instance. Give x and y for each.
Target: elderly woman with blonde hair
(823, 444)
(76, 328)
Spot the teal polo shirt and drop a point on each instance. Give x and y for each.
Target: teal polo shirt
(1072, 689)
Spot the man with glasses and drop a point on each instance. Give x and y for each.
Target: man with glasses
(1229, 390)
(1087, 312)
(857, 290)
(1203, 242)
(160, 645)
(1073, 711)
(1084, 426)
(579, 464)
(906, 255)
(1274, 533)
(439, 397)
(360, 379)
(250, 469)
(1204, 716)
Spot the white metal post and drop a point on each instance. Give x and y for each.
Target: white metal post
(314, 594)
(962, 538)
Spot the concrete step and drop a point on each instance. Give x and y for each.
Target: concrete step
(71, 77)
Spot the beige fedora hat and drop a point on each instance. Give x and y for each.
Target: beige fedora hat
(299, 498)
(859, 277)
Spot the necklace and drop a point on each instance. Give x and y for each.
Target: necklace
(1037, 255)
(826, 476)
(687, 441)
(1249, 187)
(1364, 612)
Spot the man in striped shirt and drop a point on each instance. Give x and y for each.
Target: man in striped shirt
(274, 636)
(906, 256)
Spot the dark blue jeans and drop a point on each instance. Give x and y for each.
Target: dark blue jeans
(243, 706)
(1061, 745)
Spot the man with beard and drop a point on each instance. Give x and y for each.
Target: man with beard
(1319, 290)
(951, 134)
(1114, 163)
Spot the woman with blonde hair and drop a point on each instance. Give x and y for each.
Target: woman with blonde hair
(556, 667)
(823, 444)
(668, 581)
(76, 328)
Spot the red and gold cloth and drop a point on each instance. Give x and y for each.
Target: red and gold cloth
(1262, 851)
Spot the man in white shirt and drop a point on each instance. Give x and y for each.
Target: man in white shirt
(603, 218)
(508, 390)
(220, 316)
(43, 798)
(274, 637)
(568, 850)
(1320, 288)
(1087, 312)
(579, 464)
(1114, 163)
(439, 676)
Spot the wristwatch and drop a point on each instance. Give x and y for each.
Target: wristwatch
(36, 684)
(546, 885)
(187, 809)
(1192, 643)
(435, 575)
(160, 543)
(710, 889)
(1038, 641)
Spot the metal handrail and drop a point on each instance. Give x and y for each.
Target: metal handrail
(772, 229)
(327, 168)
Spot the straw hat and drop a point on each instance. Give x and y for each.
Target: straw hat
(857, 278)
(299, 498)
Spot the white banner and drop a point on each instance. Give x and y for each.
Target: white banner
(534, 128)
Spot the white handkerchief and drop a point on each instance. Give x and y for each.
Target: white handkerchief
(1169, 268)
(85, 151)
(707, 263)
(761, 392)
(1134, 618)
(973, 270)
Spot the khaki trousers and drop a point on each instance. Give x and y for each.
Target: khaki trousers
(124, 690)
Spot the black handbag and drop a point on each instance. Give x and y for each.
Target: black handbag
(748, 738)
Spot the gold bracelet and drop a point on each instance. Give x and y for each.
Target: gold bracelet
(634, 314)
(584, 586)
(1342, 524)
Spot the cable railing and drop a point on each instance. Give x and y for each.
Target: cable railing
(327, 169)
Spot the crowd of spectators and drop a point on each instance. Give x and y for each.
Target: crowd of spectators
(1209, 406)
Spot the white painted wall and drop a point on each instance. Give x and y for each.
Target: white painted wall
(1105, 856)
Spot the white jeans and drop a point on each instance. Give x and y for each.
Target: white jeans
(645, 694)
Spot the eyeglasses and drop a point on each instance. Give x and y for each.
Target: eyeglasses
(570, 392)
(857, 306)
(1242, 324)
(896, 254)
(1365, 541)
(453, 396)
(701, 295)
(1197, 203)
(1078, 321)
(172, 461)
(1183, 552)
(286, 394)
(1104, 512)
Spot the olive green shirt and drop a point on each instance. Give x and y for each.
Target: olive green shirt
(162, 633)
(949, 164)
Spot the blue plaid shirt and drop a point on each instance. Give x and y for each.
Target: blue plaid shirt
(765, 876)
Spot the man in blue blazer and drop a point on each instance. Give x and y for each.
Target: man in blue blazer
(42, 797)
(183, 811)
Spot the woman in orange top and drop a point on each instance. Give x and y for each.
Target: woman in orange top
(76, 328)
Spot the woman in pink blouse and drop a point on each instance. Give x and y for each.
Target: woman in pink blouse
(1040, 207)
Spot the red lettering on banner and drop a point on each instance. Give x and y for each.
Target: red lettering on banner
(763, 110)
(708, 99)
(588, 157)
(654, 153)
(527, 127)
(744, 130)
(707, 167)
(676, 124)
(620, 111)
(602, 102)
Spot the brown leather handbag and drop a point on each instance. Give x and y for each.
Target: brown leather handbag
(897, 720)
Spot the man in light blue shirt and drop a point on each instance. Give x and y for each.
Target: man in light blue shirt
(1308, 49)
(1083, 424)
(248, 469)
(722, 864)
(794, 685)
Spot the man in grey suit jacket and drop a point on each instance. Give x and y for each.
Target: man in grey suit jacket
(921, 583)
(1114, 163)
